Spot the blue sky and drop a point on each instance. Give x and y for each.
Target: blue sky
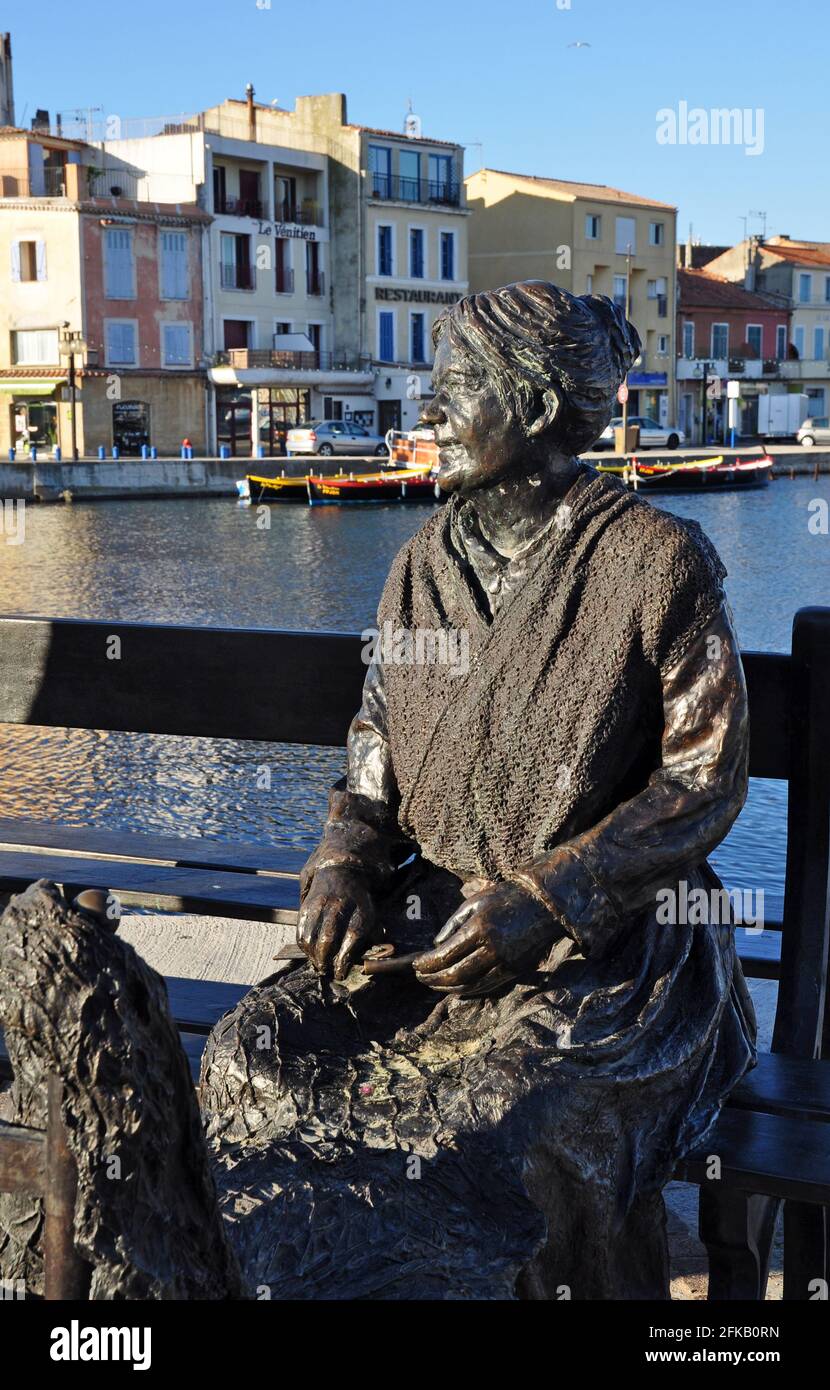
(498, 72)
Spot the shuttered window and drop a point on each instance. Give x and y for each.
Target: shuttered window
(119, 265)
(121, 343)
(36, 346)
(174, 277)
(175, 344)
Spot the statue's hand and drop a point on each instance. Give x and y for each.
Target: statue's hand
(493, 938)
(336, 921)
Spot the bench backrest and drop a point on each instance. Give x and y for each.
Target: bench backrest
(297, 687)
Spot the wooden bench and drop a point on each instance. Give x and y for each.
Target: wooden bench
(772, 1140)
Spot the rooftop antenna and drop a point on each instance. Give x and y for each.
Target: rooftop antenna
(412, 124)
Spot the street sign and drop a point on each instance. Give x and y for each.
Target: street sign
(713, 388)
(622, 394)
(733, 390)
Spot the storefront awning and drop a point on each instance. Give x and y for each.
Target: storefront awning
(28, 386)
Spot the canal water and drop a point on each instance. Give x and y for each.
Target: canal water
(212, 561)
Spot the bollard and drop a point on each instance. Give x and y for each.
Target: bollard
(102, 453)
(58, 454)
(260, 451)
(33, 453)
(12, 455)
(145, 452)
(116, 452)
(154, 453)
(224, 451)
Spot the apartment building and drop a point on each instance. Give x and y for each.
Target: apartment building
(96, 280)
(726, 331)
(333, 248)
(588, 238)
(796, 274)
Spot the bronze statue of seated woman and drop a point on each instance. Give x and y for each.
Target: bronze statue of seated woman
(521, 804)
(504, 1038)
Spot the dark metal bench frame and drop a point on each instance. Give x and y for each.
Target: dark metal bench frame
(304, 688)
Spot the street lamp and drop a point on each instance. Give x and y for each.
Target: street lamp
(70, 342)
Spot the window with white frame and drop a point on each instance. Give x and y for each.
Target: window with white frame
(28, 260)
(625, 235)
(805, 289)
(754, 338)
(593, 226)
(385, 253)
(589, 284)
(688, 338)
(417, 337)
(620, 290)
(662, 344)
(720, 341)
(121, 342)
(174, 276)
(447, 243)
(119, 263)
(656, 233)
(176, 345)
(781, 341)
(35, 347)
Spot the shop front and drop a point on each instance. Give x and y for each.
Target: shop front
(32, 418)
(279, 409)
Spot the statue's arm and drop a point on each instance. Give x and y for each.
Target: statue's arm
(362, 832)
(598, 879)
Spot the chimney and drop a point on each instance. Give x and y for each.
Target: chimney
(249, 93)
(6, 82)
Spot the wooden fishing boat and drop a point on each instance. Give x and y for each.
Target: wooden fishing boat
(392, 485)
(258, 489)
(716, 474)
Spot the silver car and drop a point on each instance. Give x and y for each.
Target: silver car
(815, 430)
(652, 435)
(327, 437)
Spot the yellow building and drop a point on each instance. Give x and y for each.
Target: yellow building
(584, 237)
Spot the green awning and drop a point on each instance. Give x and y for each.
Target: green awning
(28, 386)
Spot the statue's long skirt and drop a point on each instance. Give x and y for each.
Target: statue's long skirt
(381, 1141)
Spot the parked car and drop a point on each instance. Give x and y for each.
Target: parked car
(327, 437)
(815, 430)
(652, 435)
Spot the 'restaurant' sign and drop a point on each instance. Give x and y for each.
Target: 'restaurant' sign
(417, 296)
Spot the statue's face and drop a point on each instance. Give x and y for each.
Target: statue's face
(478, 441)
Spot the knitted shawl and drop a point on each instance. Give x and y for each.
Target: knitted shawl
(559, 717)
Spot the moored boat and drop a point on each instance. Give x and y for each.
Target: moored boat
(693, 475)
(392, 485)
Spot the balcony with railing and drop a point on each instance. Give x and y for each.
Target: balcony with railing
(305, 213)
(237, 207)
(315, 283)
(287, 359)
(394, 188)
(739, 368)
(34, 182)
(237, 277)
(284, 280)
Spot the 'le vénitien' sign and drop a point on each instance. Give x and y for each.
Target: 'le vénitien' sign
(417, 296)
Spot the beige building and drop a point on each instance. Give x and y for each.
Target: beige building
(333, 248)
(580, 236)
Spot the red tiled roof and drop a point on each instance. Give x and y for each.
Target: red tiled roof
(798, 255)
(600, 192)
(700, 290)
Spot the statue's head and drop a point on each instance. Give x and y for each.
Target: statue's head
(523, 373)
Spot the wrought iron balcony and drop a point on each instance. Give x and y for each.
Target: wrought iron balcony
(284, 359)
(238, 207)
(237, 277)
(393, 187)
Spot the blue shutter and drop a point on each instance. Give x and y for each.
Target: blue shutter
(387, 336)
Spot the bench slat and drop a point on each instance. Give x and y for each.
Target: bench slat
(155, 849)
(216, 893)
(776, 1155)
(786, 1086)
